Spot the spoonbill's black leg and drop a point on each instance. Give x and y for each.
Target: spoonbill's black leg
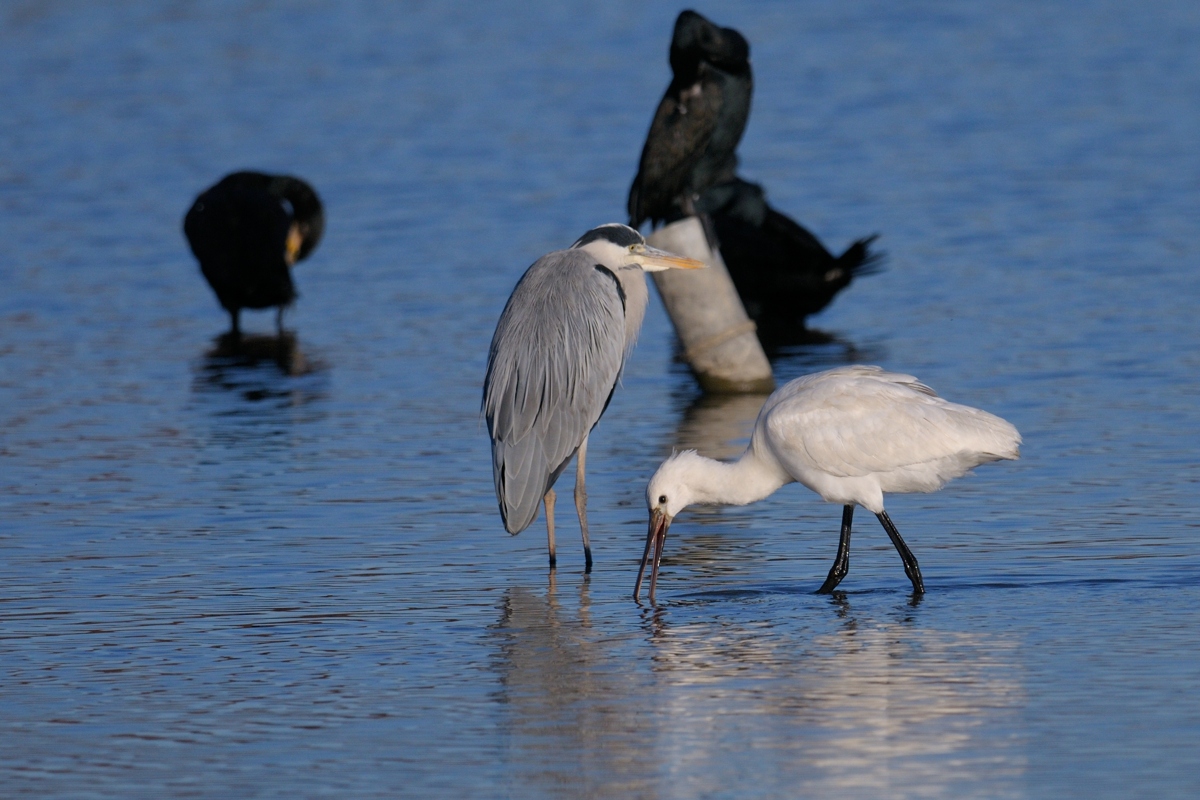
(581, 503)
(911, 568)
(841, 563)
(549, 501)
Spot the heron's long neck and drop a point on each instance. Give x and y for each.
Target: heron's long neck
(735, 483)
(633, 284)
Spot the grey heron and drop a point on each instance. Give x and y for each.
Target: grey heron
(555, 358)
(849, 434)
(247, 231)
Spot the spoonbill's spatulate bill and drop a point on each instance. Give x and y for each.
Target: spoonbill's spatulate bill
(555, 358)
(849, 434)
(247, 231)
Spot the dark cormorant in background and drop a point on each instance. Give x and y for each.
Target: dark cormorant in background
(699, 122)
(782, 272)
(247, 231)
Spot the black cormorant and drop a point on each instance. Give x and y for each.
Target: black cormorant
(782, 272)
(247, 231)
(698, 124)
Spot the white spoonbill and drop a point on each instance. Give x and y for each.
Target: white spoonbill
(849, 434)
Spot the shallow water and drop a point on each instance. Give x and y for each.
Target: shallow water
(283, 573)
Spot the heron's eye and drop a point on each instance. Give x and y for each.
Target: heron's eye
(662, 498)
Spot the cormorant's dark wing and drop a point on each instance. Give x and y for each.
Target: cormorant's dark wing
(237, 231)
(679, 135)
(553, 364)
(781, 270)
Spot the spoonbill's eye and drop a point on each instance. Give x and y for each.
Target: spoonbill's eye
(662, 498)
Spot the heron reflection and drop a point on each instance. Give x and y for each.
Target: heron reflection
(561, 690)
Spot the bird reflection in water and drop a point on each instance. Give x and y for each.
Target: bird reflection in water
(562, 696)
(809, 349)
(258, 367)
(718, 425)
(866, 700)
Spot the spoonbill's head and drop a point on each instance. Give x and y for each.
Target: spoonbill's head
(670, 490)
(615, 246)
(668, 493)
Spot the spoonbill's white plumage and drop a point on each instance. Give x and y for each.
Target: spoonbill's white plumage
(849, 434)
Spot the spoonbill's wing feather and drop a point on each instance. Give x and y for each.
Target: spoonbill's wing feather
(859, 421)
(553, 363)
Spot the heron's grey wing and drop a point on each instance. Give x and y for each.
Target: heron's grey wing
(858, 421)
(679, 135)
(554, 361)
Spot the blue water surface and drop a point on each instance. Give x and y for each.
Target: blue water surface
(284, 575)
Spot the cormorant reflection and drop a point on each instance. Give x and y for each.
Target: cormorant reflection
(810, 350)
(719, 425)
(258, 367)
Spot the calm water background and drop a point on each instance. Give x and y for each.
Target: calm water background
(247, 578)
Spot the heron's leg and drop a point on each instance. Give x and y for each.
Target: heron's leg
(911, 568)
(279, 321)
(841, 562)
(549, 501)
(234, 323)
(581, 503)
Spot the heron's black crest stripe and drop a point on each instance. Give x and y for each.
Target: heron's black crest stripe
(620, 235)
(620, 289)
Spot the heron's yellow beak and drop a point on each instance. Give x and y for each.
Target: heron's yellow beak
(651, 259)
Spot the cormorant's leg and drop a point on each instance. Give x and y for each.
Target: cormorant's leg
(841, 562)
(549, 501)
(581, 503)
(911, 568)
